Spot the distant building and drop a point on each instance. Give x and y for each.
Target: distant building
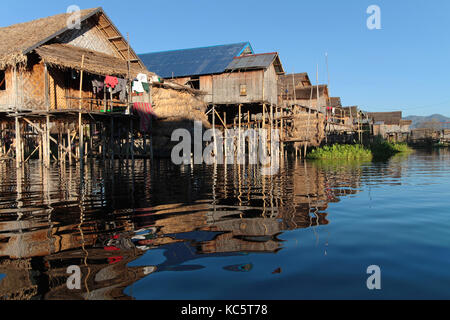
(390, 125)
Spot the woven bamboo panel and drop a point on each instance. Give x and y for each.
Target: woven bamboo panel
(89, 37)
(57, 90)
(33, 88)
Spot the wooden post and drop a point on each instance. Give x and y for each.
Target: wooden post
(69, 146)
(225, 136)
(282, 129)
(132, 139)
(240, 134)
(80, 125)
(214, 133)
(103, 141)
(271, 129)
(111, 140)
(18, 143)
(264, 116)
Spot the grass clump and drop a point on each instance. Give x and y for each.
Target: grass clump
(340, 151)
(378, 150)
(382, 149)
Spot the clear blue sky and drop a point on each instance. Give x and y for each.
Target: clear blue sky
(404, 66)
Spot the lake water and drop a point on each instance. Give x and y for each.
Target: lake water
(212, 232)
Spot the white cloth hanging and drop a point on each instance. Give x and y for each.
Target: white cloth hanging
(137, 85)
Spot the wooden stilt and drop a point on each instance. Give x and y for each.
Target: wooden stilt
(225, 135)
(240, 133)
(132, 139)
(80, 124)
(111, 140)
(47, 142)
(18, 143)
(69, 146)
(41, 155)
(214, 132)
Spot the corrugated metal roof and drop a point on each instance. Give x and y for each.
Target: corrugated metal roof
(193, 62)
(256, 61)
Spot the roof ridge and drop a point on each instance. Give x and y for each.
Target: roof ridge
(255, 54)
(48, 17)
(196, 48)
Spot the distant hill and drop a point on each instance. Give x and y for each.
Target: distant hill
(424, 121)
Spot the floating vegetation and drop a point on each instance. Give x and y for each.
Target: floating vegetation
(378, 150)
(340, 151)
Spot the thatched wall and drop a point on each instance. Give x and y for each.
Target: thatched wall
(175, 109)
(309, 127)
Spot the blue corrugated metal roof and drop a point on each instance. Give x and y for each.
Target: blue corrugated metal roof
(193, 62)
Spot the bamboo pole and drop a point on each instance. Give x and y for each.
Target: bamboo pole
(111, 140)
(18, 143)
(225, 134)
(240, 133)
(80, 124)
(214, 133)
(69, 147)
(132, 139)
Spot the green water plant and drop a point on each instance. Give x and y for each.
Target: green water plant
(377, 150)
(340, 151)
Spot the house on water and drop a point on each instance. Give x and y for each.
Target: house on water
(244, 89)
(74, 91)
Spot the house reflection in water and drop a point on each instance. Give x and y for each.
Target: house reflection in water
(48, 222)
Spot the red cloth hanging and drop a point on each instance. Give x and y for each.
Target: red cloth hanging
(146, 113)
(111, 82)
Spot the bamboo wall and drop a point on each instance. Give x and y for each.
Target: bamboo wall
(7, 96)
(310, 127)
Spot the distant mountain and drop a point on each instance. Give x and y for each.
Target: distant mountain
(426, 121)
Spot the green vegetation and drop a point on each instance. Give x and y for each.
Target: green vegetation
(378, 150)
(341, 151)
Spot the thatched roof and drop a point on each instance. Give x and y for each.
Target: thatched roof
(19, 39)
(41, 36)
(286, 82)
(298, 79)
(386, 117)
(305, 93)
(350, 111)
(335, 102)
(67, 56)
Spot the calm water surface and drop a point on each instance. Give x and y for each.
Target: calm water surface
(167, 232)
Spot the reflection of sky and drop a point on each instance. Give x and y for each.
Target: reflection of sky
(1, 276)
(173, 257)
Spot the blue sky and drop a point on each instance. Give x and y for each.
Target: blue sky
(403, 66)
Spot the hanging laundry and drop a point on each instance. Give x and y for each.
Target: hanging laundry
(121, 88)
(146, 86)
(146, 113)
(140, 83)
(97, 86)
(111, 82)
(142, 77)
(138, 87)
